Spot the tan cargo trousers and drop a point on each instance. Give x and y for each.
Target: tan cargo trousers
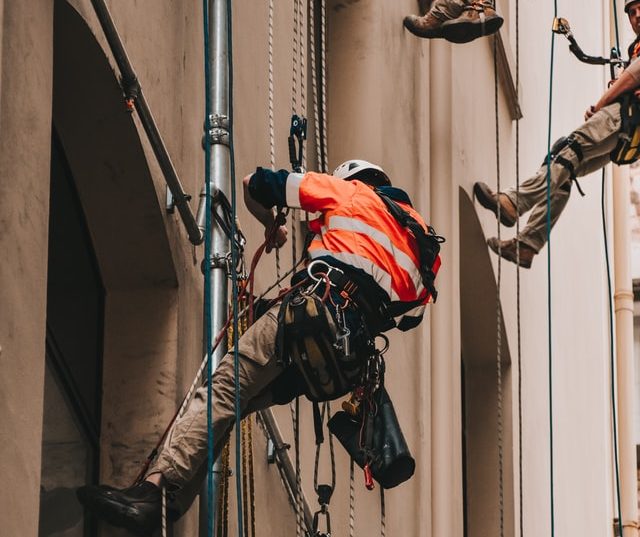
(183, 458)
(448, 9)
(597, 137)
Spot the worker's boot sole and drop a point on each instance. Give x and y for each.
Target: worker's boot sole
(509, 252)
(490, 201)
(107, 503)
(457, 31)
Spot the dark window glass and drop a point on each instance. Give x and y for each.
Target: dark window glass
(71, 415)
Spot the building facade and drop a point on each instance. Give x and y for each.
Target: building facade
(101, 291)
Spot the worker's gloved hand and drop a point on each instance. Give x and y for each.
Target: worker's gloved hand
(275, 238)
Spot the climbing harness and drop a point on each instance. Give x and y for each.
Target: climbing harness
(315, 340)
(555, 157)
(628, 149)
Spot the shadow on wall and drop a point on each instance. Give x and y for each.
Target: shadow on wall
(128, 232)
(105, 153)
(479, 386)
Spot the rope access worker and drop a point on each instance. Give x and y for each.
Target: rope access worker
(372, 266)
(603, 136)
(458, 21)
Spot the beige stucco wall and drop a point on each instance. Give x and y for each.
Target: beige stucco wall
(423, 111)
(25, 118)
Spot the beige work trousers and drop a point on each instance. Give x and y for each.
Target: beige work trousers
(597, 137)
(448, 9)
(183, 458)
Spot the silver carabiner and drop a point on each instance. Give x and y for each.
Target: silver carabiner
(324, 264)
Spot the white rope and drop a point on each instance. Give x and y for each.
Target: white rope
(295, 417)
(319, 97)
(164, 511)
(294, 68)
(314, 84)
(323, 93)
(272, 135)
(383, 514)
(352, 499)
(498, 307)
(294, 406)
(303, 72)
(272, 128)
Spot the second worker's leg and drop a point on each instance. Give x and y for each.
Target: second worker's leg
(429, 25)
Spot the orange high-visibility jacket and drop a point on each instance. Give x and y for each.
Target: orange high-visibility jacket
(355, 227)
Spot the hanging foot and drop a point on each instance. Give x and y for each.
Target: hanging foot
(508, 250)
(489, 200)
(428, 26)
(477, 20)
(137, 509)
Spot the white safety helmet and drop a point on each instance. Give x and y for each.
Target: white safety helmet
(628, 3)
(363, 171)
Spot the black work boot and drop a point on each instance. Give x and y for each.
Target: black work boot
(508, 250)
(428, 26)
(138, 508)
(489, 200)
(477, 20)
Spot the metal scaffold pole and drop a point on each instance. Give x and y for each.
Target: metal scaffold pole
(217, 136)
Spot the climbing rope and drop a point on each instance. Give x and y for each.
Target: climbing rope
(518, 330)
(383, 514)
(297, 90)
(234, 263)
(319, 95)
(272, 135)
(295, 418)
(223, 498)
(612, 365)
(352, 498)
(208, 306)
(498, 304)
(323, 86)
(248, 478)
(614, 417)
(164, 511)
(549, 310)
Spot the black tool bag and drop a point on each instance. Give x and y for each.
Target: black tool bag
(628, 149)
(389, 458)
(307, 337)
